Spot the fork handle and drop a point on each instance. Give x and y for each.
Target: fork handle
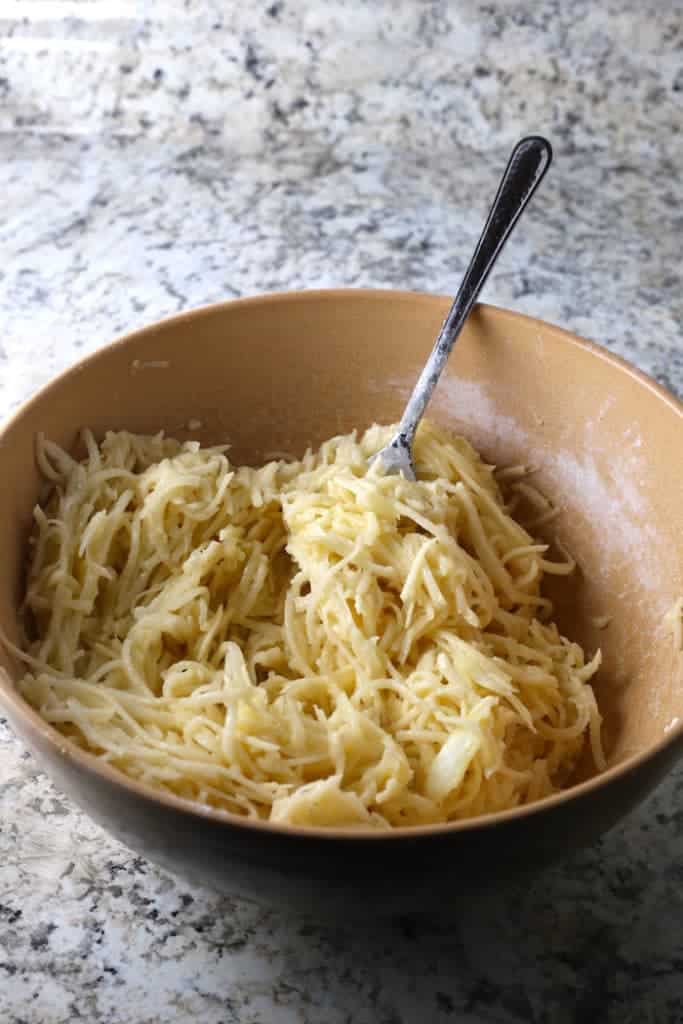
(529, 161)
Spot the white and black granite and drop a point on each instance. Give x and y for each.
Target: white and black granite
(162, 154)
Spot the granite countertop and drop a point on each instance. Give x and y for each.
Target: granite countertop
(161, 155)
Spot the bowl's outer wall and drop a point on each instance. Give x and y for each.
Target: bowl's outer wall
(347, 877)
(276, 374)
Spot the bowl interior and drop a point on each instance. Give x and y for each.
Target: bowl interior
(277, 374)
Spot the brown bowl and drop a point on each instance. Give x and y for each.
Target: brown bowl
(285, 371)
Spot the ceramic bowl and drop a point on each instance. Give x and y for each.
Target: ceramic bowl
(286, 371)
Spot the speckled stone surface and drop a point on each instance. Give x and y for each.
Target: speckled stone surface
(156, 156)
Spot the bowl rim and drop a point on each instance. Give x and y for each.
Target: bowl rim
(91, 763)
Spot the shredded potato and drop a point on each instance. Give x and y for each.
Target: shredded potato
(310, 642)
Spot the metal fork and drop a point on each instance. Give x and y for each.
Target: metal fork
(529, 161)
